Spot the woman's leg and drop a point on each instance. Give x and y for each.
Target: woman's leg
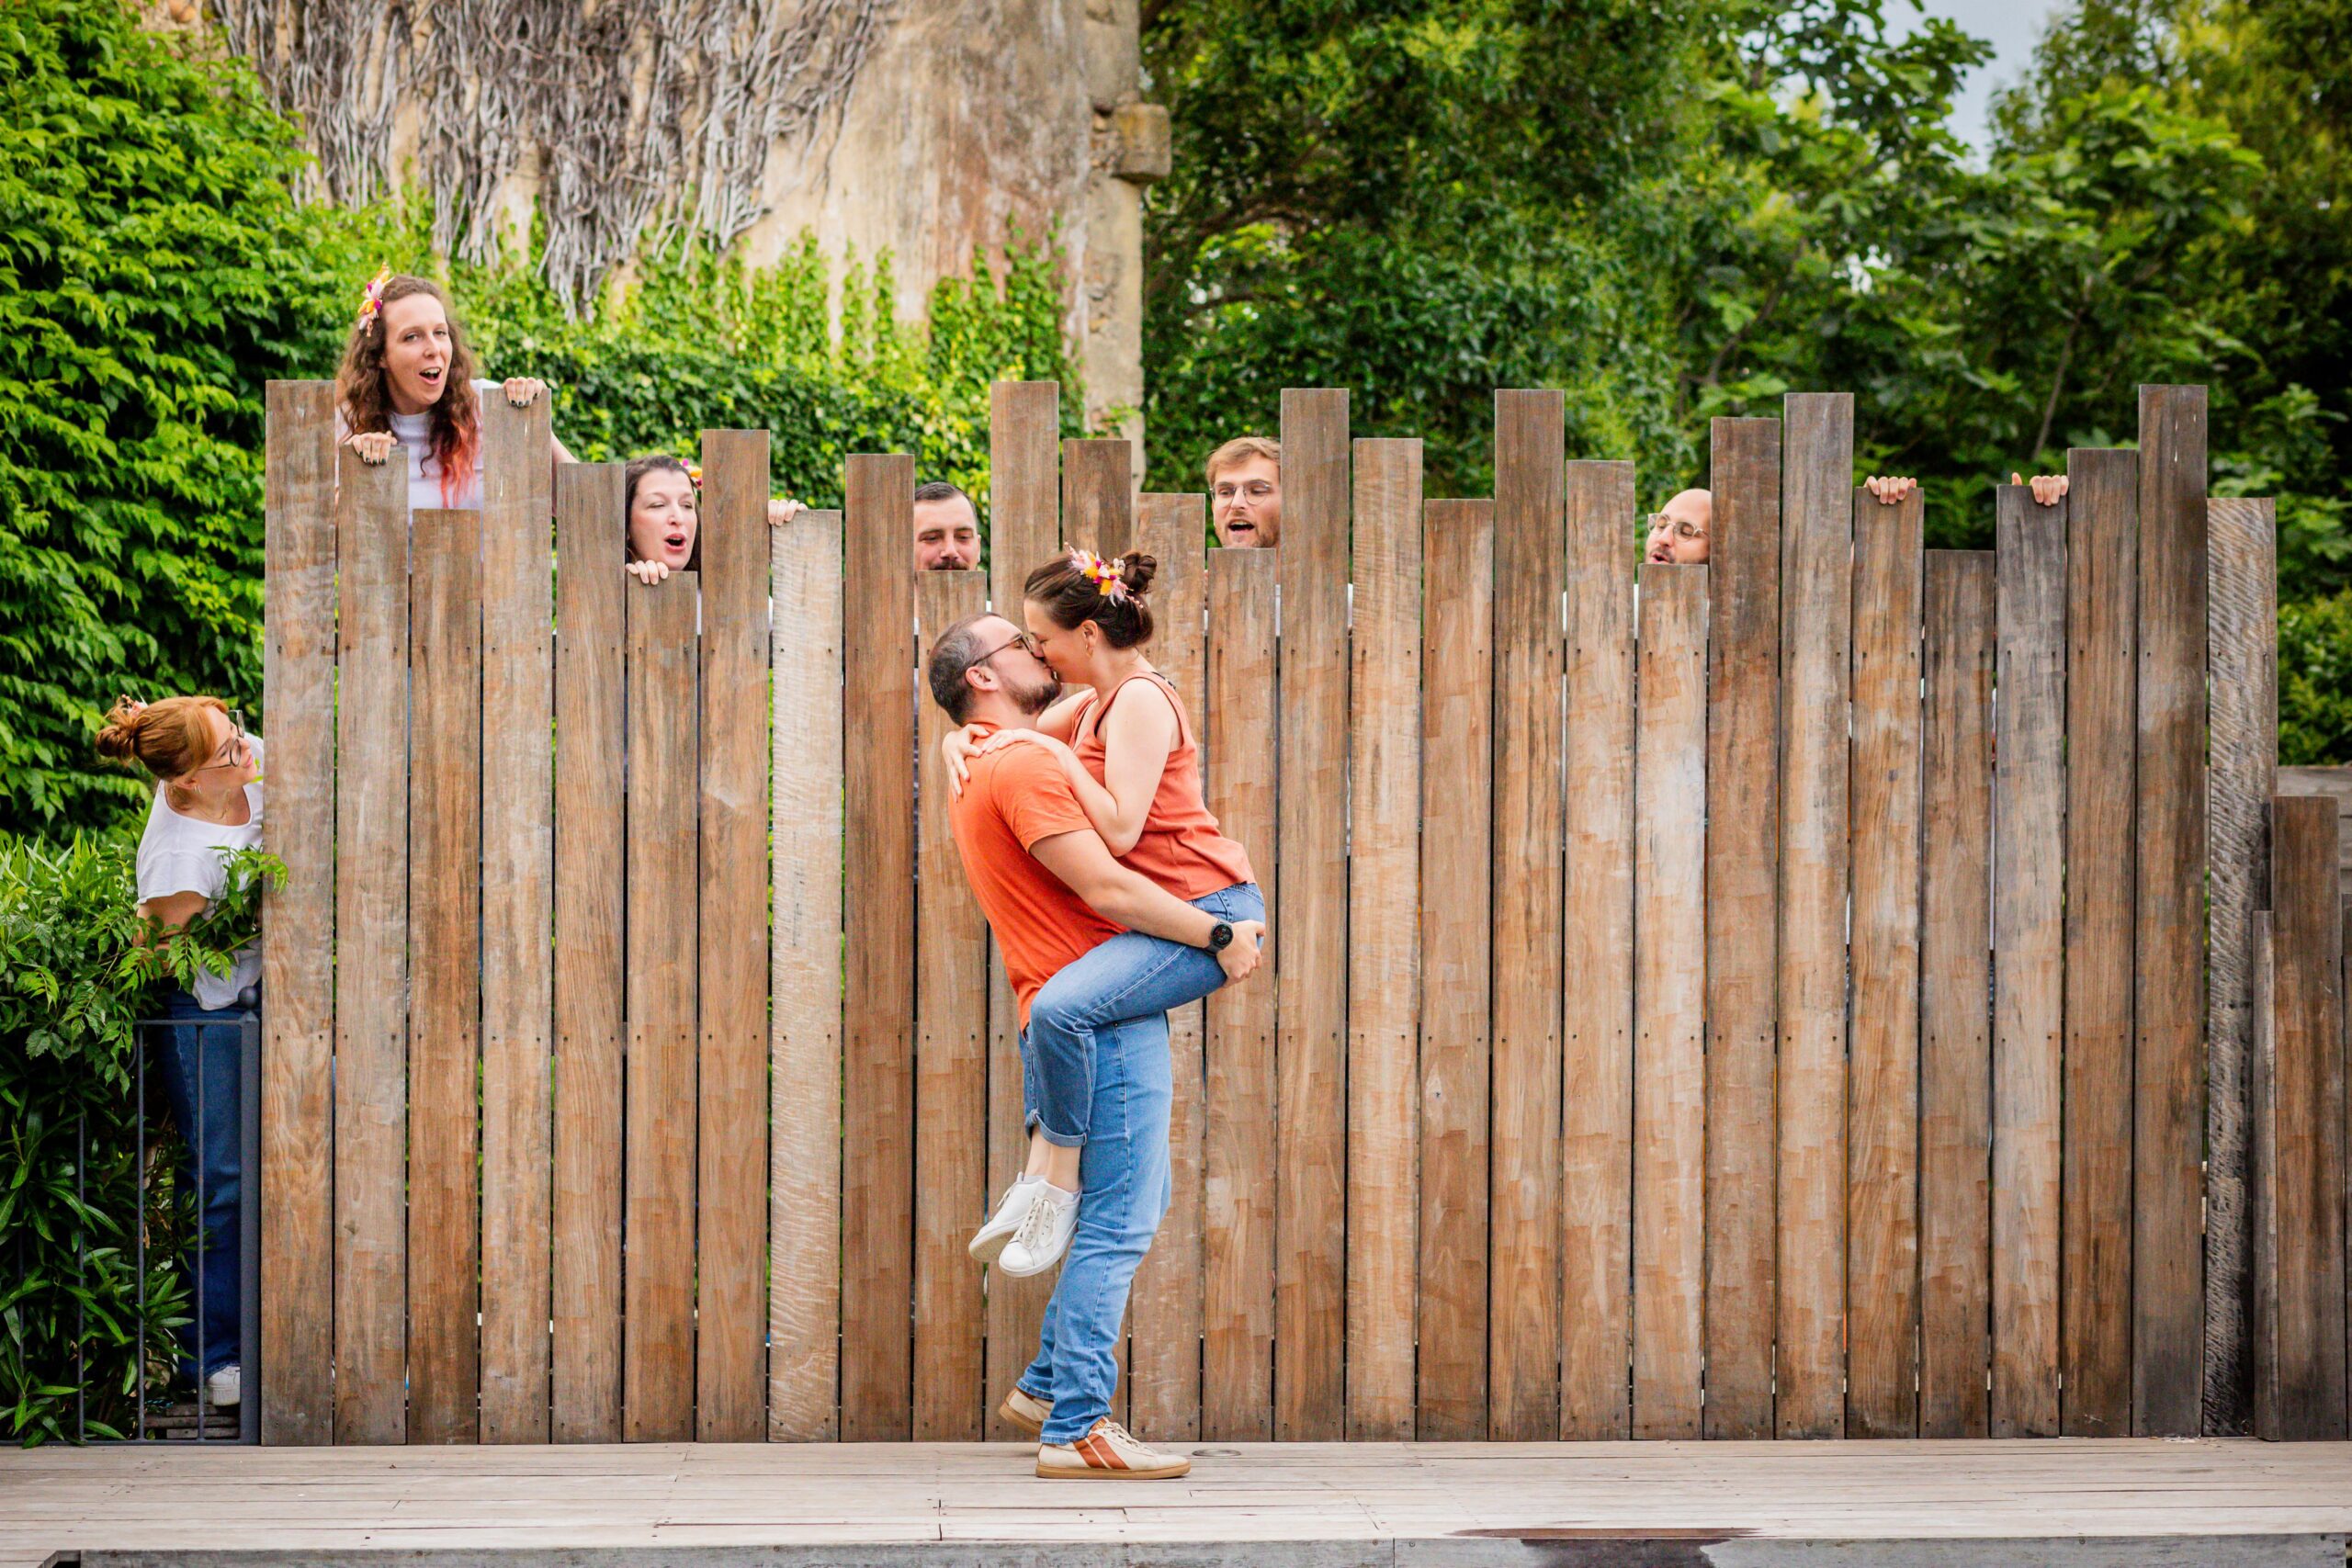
(199, 1061)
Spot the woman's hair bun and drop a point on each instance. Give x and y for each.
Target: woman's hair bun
(1137, 571)
(118, 737)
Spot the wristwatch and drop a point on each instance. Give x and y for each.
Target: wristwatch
(1220, 937)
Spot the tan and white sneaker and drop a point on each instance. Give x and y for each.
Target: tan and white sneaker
(1108, 1452)
(1024, 1412)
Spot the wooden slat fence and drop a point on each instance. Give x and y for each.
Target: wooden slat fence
(1770, 998)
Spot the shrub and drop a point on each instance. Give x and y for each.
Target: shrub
(2315, 681)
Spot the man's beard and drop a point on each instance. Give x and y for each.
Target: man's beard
(1043, 696)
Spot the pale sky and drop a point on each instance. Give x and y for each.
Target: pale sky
(2012, 26)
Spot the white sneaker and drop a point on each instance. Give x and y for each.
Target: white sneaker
(1044, 1234)
(990, 1238)
(1109, 1452)
(225, 1388)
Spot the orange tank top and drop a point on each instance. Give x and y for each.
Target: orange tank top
(1181, 848)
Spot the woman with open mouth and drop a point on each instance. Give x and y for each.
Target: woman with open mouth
(662, 496)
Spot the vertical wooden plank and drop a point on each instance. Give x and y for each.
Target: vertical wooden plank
(1669, 994)
(1457, 846)
(1742, 923)
(1384, 947)
(2243, 636)
(877, 1158)
(658, 1357)
(590, 694)
(1955, 984)
(1524, 1214)
(518, 911)
(1817, 607)
(2262, 1175)
(2308, 1168)
(804, 981)
(1024, 527)
(1098, 494)
(951, 1068)
(2095, 1353)
(1164, 1372)
(1597, 957)
(1310, 927)
(297, 953)
(444, 888)
(1883, 1115)
(731, 1223)
(371, 951)
(2028, 959)
(2169, 941)
(1238, 1193)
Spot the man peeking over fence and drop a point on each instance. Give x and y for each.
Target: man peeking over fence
(947, 529)
(1245, 482)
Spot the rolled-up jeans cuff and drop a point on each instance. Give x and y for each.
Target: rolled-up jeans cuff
(1060, 1140)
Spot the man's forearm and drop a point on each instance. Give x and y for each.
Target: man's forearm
(1135, 901)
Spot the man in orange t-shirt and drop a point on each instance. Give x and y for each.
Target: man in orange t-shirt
(1052, 891)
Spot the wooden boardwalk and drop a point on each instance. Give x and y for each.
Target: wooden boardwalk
(1333, 1503)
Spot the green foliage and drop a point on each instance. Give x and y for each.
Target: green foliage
(2315, 681)
(72, 1202)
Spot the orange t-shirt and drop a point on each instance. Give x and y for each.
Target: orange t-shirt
(1016, 796)
(1181, 847)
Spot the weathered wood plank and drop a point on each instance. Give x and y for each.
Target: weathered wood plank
(1883, 1118)
(1530, 568)
(1383, 944)
(2095, 1353)
(1098, 494)
(805, 982)
(1457, 773)
(1743, 924)
(1238, 1193)
(1816, 609)
(1164, 1367)
(951, 1066)
(445, 900)
(371, 951)
(730, 1218)
(1669, 996)
(1310, 927)
(590, 694)
(1597, 957)
(296, 1373)
(2242, 571)
(2262, 1173)
(877, 1158)
(658, 1306)
(517, 917)
(2169, 941)
(2029, 959)
(1955, 984)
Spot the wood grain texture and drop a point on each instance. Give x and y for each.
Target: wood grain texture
(1955, 984)
(2095, 1351)
(591, 856)
(2029, 959)
(1311, 924)
(517, 920)
(1882, 1128)
(1742, 923)
(1457, 944)
(1669, 996)
(2307, 1165)
(951, 1066)
(805, 982)
(1816, 609)
(1237, 1191)
(732, 1090)
(1523, 1223)
(2169, 941)
(1383, 946)
(1597, 958)
(371, 951)
(658, 1306)
(445, 900)
(2262, 1177)
(1098, 495)
(877, 1158)
(1164, 1365)
(2241, 573)
(296, 1373)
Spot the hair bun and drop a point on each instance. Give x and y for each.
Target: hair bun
(1136, 571)
(118, 738)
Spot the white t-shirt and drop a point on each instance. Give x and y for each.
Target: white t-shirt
(187, 854)
(415, 433)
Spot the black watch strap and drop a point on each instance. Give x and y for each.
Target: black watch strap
(1220, 937)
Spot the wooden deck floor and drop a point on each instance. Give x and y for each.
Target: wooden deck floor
(1362, 1504)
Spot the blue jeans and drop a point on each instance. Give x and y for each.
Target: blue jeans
(200, 1058)
(1123, 1167)
(1131, 976)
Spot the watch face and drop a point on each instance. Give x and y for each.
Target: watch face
(1220, 937)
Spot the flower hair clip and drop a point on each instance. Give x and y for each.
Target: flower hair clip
(694, 473)
(371, 298)
(1105, 575)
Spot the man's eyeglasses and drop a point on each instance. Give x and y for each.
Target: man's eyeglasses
(1682, 529)
(1021, 640)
